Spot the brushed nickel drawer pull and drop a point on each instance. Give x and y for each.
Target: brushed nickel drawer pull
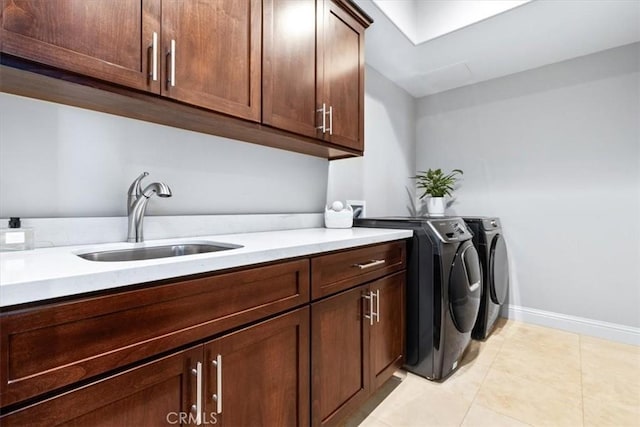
(370, 264)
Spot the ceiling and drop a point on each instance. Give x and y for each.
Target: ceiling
(527, 36)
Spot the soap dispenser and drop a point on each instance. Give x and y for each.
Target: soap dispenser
(15, 238)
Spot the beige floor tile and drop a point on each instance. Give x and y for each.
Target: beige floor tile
(372, 421)
(500, 328)
(479, 416)
(533, 402)
(554, 367)
(612, 389)
(482, 352)
(466, 381)
(547, 339)
(522, 375)
(608, 357)
(419, 402)
(604, 413)
(610, 373)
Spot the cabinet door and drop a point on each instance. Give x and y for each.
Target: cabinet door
(156, 393)
(388, 332)
(259, 376)
(341, 67)
(289, 66)
(212, 54)
(110, 40)
(339, 355)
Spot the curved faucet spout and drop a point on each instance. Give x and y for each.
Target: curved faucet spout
(137, 205)
(159, 188)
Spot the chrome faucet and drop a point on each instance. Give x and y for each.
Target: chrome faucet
(137, 200)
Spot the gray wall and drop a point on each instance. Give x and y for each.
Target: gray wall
(381, 177)
(61, 161)
(58, 161)
(554, 152)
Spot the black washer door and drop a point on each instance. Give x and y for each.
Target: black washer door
(498, 270)
(465, 287)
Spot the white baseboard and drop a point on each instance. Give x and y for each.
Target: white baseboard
(580, 325)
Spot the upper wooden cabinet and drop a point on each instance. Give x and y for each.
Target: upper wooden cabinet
(283, 73)
(341, 71)
(211, 53)
(313, 59)
(204, 53)
(289, 66)
(108, 40)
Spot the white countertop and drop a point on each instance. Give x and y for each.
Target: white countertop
(41, 274)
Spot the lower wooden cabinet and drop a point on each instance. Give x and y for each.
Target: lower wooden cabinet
(388, 331)
(156, 393)
(340, 356)
(181, 353)
(357, 342)
(260, 377)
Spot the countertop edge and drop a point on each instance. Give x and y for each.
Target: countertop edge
(40, 287)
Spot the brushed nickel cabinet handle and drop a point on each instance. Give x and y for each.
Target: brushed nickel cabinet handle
(378, 305)
(154, 57)
(370, 264)
(198, 406)
(171, 80)
(217, 396)
(369, 296)
(330, 120)
(323, 111)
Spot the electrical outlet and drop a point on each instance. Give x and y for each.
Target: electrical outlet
(359, 208)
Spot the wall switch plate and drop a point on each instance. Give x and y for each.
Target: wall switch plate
(359, 208)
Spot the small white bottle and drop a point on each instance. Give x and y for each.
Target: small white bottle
(15, 238)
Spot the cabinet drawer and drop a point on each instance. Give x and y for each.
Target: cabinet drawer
(152, 394)
(54, 345)
(342, 270)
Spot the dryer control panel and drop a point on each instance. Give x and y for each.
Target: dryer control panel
(450, 230)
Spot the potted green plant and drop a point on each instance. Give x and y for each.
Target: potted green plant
(437, 185)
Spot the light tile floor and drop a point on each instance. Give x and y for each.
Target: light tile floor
(521, 375)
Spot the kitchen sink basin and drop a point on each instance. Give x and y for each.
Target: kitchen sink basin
(153, 252)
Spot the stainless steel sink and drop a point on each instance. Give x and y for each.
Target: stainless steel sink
(153, 252)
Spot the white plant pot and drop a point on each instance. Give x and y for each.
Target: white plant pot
(435, 206)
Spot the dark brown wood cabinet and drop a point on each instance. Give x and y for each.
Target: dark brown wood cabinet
(256, 376)
(313, 59)
(54, 345)
(212, 54)
(259, 376)
(388, 330)
(259, 351)
(156, 393)
(287, 74)
(108, 40)
(204, 53)
(340, 356)
(358, 335)
(289, 66)
(341, 74)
